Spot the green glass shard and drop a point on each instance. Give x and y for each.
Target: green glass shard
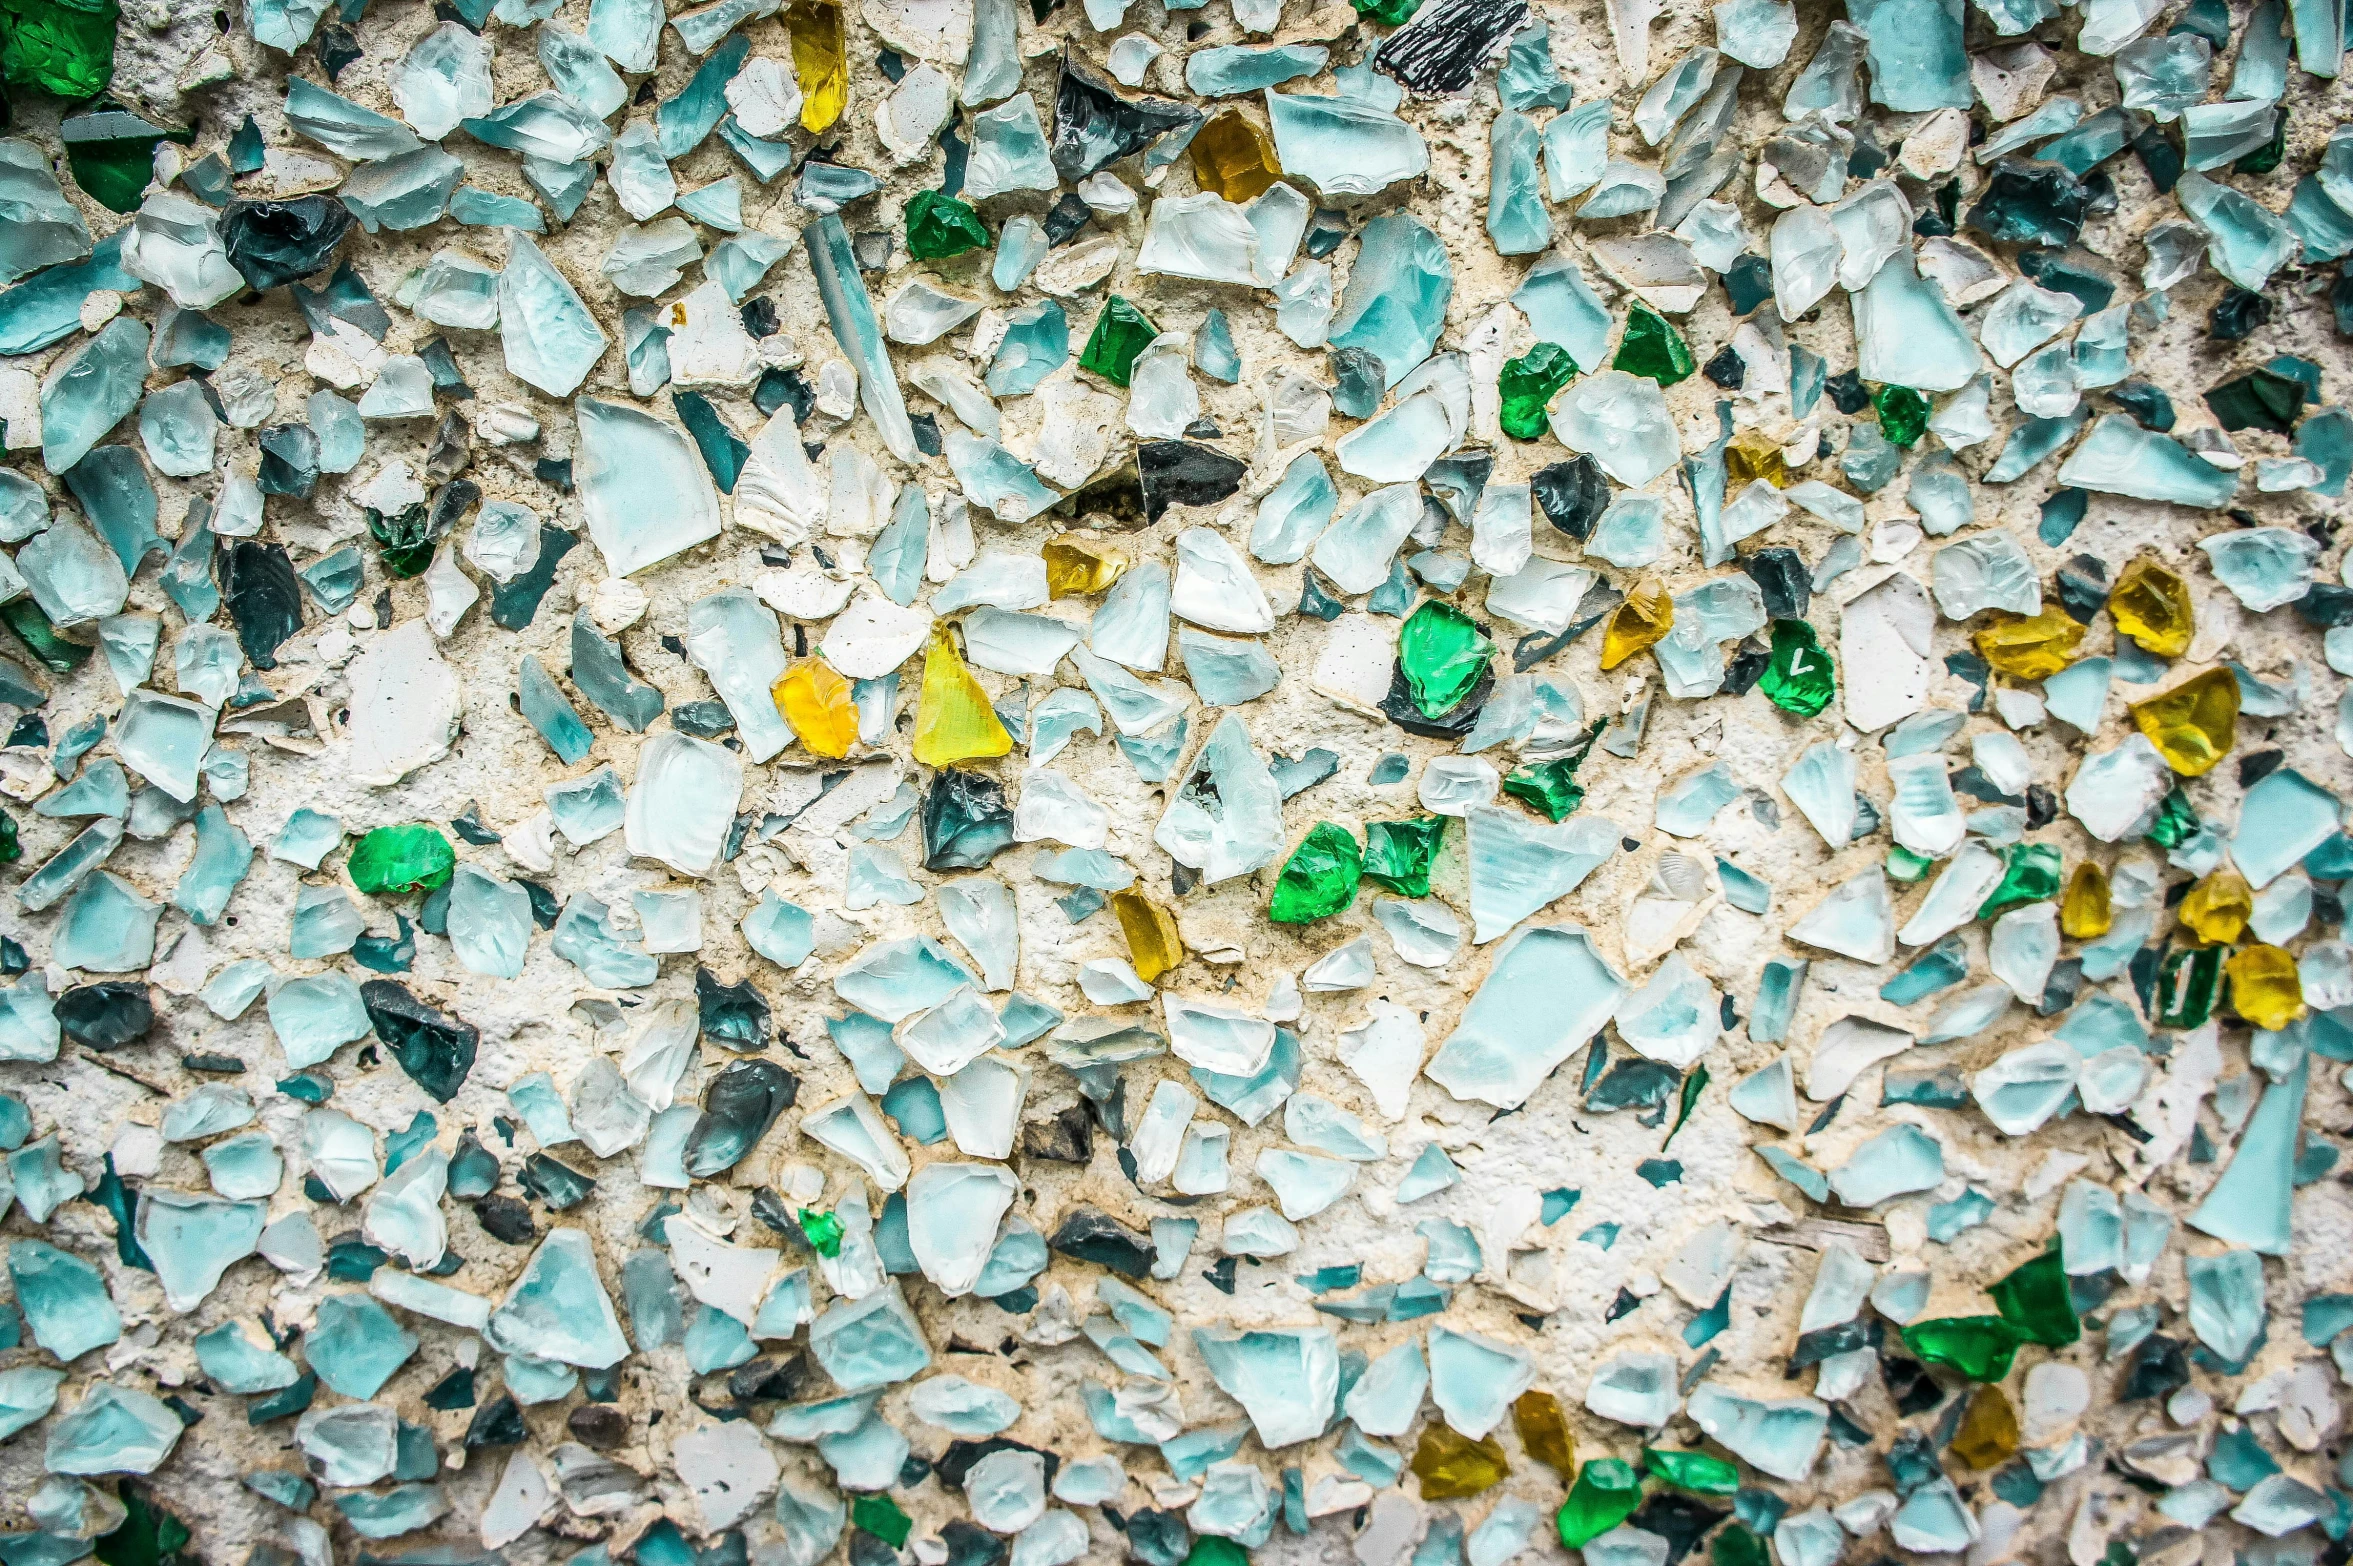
(1398, 854)
(1979, 1347)
(1652, 347)
(396, 859)
(2035, 1300)
(1320, 877)
(1800, 678)
(940, 226)
(1526, 386)
(1442, 653)
(1121, 332)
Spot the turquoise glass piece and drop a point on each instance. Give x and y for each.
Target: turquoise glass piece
(1518, 222)
(91, 390)
(113, 1430)
(46, 308)
(2282, 818)
(1916, 57)
(1350, 145)
(222, 857)
(550, 338)
(1035, 344)
(558, 1308)
(325, 923)
(192, 1240)
(1395, 302)
(871, 1342)
(64, 1300)
(355, 1345)
(106, 927)
(850, 310)
(237, 1356)
(587, 808)
(2119, 457)
(585, 938)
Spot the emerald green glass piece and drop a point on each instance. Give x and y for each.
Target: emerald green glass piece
(1800, 678)
(33, 628)
(1979, 1347)
(1652, 347)
(61, 46)
(396, 859)
(1548, 786)
(112, 155)
(1606, 1493)
(2177, 821)
(1319, 879)
(1903, 414)
(1442, 653)
(940, 226)
(1693, 1471)
(823, 1229)
(880, 1515)
(1398, 854)
(2188, 985)
(1389, 13)
(2035, 1299)
(2030, 875)
(406, 540)
(1527, 384)
(1905, 866)
(1737, 1545)
(1121, 332)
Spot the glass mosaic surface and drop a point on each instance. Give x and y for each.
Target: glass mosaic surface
(1422, 782)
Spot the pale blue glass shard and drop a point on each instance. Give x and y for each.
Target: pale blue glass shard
(46, 308)
(71, 865)
(1822, 786)
(547, 126)
(1054, 721)
(713, 1341)
(850, 309)
(549, 712)
(766, 159)
(1508, 1041)
(194, 1239)
(324, 922)
(245, 1168)
(558, 1308)
(1897, 1161)
(1687, 808)
(2250, 1204)
(1153, 756)
(576, 67)
(739, 262)
(1253, 1098)
(237, 1356)
(1221, 72)
(871, 1342)
(2261, 73)
(177, 427)
(563, 185)
(896, 561)
(2226, 1302)
(29, 1030)
(91, 391)
(1035, 345)
(388, 1514)
(2322, 228)
(893, 980)
(2089, 144)
(2264, 567)
(2214, 134)
(732, 637)
(1432, 1171)
(535, 1099)
(1529, 79)
(585, 937)
(1518, 221)
(2282, 818)
(1008, 151)
(1907, 334)
(315, 1016)
(2119, 457)
(2032, 441)
(165, 739)
(994, 479)
(1021, 245)
(103, 790)
(1916, 57)
(485, 209)
(306, 838)
(2078, 694)
(1286, 1380)
(828, 187)
(718, 205)
(107, 927)
(1395, 303)
(42, 1182)
(2245, 241)
(342, 126)
(223, 854)
(550, 339)
(43, 227)
(1214, 354)
(64, 1300)
(1295, 512)
(355, 1345)
(114, 1430)
(1351, 145)
(402, 193)
(587, 808)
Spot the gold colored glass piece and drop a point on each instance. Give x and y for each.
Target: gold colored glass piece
(1988, 1436)
(2218, 908)
(1753, 455)
(953, 719)
(1544, 1432)
(2029, 646)
(816, 701)
(1076, 567)
(821, 59)
(1646, 616)
(2084, 912)
(2151, 604)
(1153, 945)
(1452, 1466)
(2265, 987)
(2194, 724)
(1233, 158)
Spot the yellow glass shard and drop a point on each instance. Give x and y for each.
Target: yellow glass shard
(1076, 567)
(1153, 945)
(816, 701)
(2084, 912)
(1544, 1432)
(821, 59)
(2151, 604)
(1646, 616)
(1234, 158)
(953, 719)
(1452, 1466)
(2218, 908)
(1988, 1436)
(2194, 724)
(2265, 987)
(1752, 455)
(2030, 646)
